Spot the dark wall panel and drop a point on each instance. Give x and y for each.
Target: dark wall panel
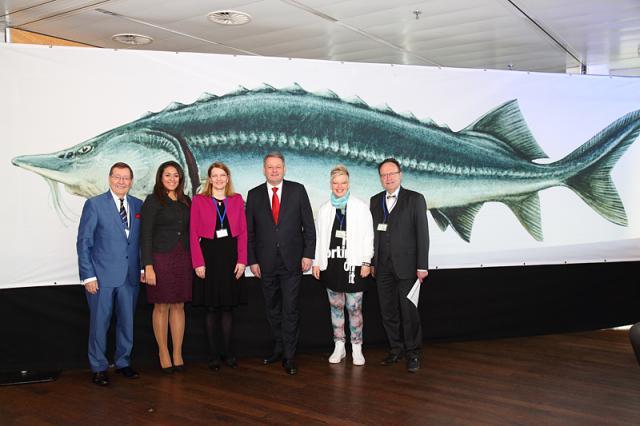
(47, 327)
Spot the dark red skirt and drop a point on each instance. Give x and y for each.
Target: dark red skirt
(174, 277)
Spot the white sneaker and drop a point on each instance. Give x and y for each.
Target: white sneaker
(338, 353)
(356, 354)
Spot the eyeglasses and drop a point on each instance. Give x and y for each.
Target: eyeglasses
(388, 175)
(118, 178)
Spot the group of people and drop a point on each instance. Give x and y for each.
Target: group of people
(196, 250)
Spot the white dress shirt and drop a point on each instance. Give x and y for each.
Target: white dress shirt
(116, 200)
(278, 192)
(391, 202)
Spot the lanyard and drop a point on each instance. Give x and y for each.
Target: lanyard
(384, 207)
(221, 216)
(341, 218)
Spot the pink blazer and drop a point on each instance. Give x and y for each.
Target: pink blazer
(203, 224)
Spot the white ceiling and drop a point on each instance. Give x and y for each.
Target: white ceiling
(531, 35)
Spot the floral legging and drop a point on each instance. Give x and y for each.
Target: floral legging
(354, 306)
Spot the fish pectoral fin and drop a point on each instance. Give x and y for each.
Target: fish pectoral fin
(460, 218)
(527, 210)
(507, 124)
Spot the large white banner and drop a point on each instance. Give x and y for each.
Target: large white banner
(473, 142)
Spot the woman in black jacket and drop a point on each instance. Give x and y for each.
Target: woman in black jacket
(164, 245)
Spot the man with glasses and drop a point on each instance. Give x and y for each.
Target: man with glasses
(401, 241)
(109, 263)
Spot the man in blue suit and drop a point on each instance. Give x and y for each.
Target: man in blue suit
(109, 263)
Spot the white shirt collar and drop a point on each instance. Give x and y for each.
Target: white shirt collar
(116, 199)
(396, 192)
(279, 186)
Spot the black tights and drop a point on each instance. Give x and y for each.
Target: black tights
(223, 317)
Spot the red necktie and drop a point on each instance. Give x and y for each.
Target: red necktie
(275, 205)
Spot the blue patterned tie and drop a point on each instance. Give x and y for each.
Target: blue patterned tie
(123, 214)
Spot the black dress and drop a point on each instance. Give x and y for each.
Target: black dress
(338, 276)
(219, 288)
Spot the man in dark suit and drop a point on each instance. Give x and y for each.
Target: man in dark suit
(109, 263)
(281, 246)
(401, 256)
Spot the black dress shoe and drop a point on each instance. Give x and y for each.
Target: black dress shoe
(214, 364)
(391, 359)
(128, 372)
(290, 366)
(167, 370)
(179, 368)
(413, 364)
(231, 362)
(272, 359)
(100, 378)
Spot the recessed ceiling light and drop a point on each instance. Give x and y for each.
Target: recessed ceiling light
(132, 39)
(229, 17)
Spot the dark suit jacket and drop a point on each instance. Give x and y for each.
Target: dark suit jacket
(295, 234)
(104, 251)
(408, 230)
(163, 226)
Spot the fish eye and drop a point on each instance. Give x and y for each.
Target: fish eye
(85, 149)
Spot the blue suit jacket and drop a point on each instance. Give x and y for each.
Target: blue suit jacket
(104, 251)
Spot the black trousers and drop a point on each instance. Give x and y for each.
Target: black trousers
(400, 317)
(281, 289)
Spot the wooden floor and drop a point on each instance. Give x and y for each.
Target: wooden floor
(572, 379)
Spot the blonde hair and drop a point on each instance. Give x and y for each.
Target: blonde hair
(339, 170)
(208, 188)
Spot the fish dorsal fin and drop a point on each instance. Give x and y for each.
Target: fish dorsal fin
(527, 210)
(460, 218)
(507, 124)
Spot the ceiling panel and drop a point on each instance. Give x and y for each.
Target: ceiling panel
(534, 35)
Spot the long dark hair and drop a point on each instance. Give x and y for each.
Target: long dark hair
(161, 192)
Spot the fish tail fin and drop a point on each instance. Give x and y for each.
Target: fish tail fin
(592, 182)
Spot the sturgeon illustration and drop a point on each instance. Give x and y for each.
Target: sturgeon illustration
(491, 160)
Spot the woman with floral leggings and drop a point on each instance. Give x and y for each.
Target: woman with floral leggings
(344, 247)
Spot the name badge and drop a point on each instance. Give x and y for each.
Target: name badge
(221, 233)
(382, 227)
(341, 234)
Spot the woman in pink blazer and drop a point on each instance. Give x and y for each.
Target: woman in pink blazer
(218, 238)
